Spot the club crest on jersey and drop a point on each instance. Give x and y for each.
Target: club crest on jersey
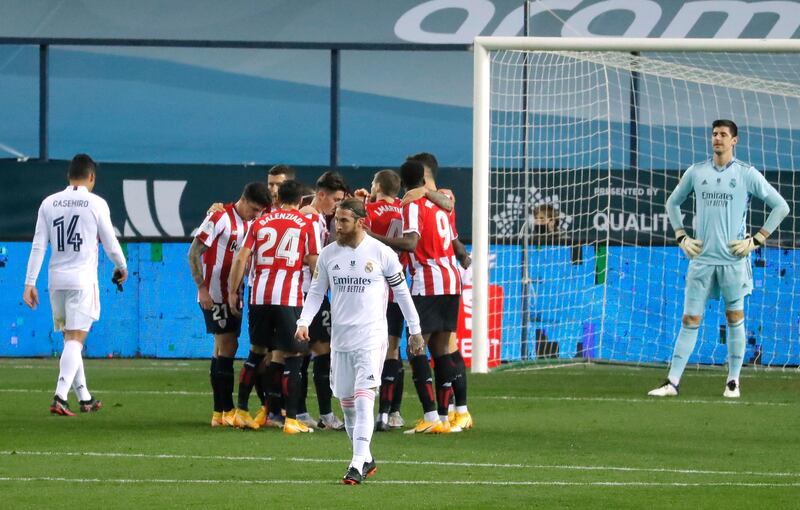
(368, 267)
(732, 184)
(222, 323)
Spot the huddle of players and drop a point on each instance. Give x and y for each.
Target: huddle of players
(268, 231)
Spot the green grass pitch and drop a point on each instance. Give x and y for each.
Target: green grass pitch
(570, 436)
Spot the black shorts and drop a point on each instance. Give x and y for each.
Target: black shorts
(437, 313)
(273, 327)
(219, 320)
(394, 318)
(320, 328)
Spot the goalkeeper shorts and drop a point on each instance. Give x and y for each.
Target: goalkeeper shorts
(703, 282)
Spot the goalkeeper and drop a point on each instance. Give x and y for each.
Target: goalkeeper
(720, 255)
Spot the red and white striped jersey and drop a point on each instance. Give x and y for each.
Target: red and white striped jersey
(223, 233)
(386, 219)
(279, 242)
(433, 266)
(322, 234)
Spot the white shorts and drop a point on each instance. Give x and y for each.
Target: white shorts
(73, 309)
(356, 370)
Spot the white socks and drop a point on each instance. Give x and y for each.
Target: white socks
(68, 366)
(362, 432)
(349, 411)
(79, 384)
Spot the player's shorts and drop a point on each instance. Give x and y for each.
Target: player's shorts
(320, 328)
(356, 370)
(75, 309)
(273, 327)
(437, 313)
(703, 282)
(219, 320)
(394, 319)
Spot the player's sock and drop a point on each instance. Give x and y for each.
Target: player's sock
(423, 382)
(391, 369)
(292, 385)
(399, 384)
(301, 403)
(736, 348)
(67, 367)
(322, 383)
(212, 375)
(247, 378)
(225, 377)
(459, 380)
(259, 386)
(79, 384)
(274, 376)
(684, 346)
(362, 432)
(443, 374)
(349, 413)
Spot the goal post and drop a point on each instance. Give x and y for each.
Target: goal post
(587, 137)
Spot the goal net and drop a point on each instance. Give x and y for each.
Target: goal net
(578, 144)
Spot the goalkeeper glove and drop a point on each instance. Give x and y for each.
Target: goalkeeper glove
(691, 247)
(743, 247)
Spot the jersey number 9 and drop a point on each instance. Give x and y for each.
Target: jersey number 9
(443, 227)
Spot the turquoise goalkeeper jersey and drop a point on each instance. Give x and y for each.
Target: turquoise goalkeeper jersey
(722, 199)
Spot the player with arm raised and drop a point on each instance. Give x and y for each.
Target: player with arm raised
(435, 289)
(71, 222)
(210, 258)
(357, 269)
(278, 245)
(330, 190)
(720, 255)
(458, 414)
(385, 217)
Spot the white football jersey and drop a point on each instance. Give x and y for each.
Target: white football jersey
(357, 278)
(72, 221)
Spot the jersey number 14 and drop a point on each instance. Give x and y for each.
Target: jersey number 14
(71, 237)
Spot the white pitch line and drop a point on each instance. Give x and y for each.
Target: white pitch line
(634, 400)
(554, 483)
(404, 462)
(589, 370)
(538, 368)
(472, 397)
(100, 367)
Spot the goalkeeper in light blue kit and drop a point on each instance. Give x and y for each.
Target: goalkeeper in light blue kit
(720, 256)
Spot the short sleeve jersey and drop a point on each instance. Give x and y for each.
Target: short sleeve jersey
(279, 242)
(223, 233)
(433, 266)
